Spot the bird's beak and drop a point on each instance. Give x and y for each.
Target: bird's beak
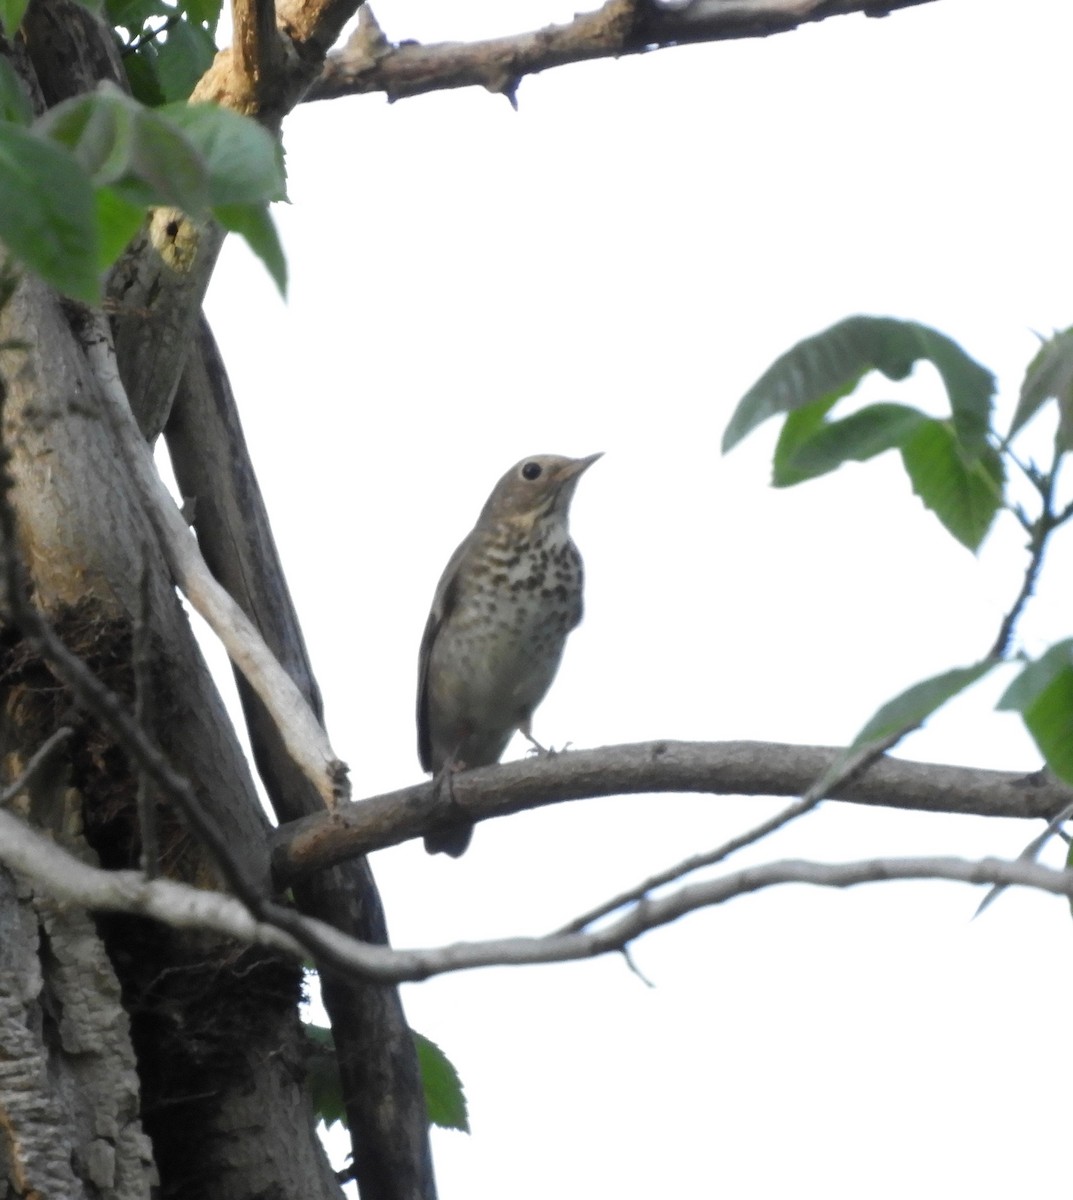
(578, 465)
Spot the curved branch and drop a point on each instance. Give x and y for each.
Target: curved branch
(302, 733)
(370, 63)
(70, 880)
(718, 768)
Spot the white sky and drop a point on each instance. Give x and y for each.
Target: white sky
(609, 269)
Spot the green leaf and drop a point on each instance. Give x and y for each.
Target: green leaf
(1036, 677)
(325, 1084)
(964, 493)
(93, 6)
(828, 444)
(1043, 695)
(244, 160)
(254, 223)
(141, 69)
(205, 12)
(14, 103)
(1049, 377)
(48, 215)
(832, 363)
(444, 1096)
(445, 1100)
(98, 129)
(182, 59)
(133, 14)
(117, 221)
(145, 158)
(11, 14)
(799, 428)
(913, 706)
(1049, 720)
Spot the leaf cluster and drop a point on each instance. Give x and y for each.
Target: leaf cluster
(959, 466)
(78, 180)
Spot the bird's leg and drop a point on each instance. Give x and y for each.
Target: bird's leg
(443, 782)
(534, 746)
(454, 831)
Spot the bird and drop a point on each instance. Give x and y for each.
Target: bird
(508, 597)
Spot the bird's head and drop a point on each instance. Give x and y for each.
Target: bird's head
(536, 487)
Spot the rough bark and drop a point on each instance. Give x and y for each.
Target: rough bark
(371, 63)
(85, 542)
(69, 1094)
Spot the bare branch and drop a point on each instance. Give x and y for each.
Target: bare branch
(717, 768)
(840, 773)
(41, 757)
(70, 880)
(370, 63)
(304, 736)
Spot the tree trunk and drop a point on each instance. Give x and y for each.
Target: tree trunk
(134, 1057)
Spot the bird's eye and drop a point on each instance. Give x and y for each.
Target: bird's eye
(532, 470)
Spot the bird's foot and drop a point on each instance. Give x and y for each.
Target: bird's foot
(539, 751)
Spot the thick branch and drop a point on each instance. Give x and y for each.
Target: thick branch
(719, 768)
(369, 63)
(73, 881)
(374, 1046)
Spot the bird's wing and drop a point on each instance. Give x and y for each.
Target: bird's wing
(442, 604)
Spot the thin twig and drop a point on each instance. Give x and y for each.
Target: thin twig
(149, 35)
(38, 760)
(835, 777)
(1039, 532)
(1029, 854)
(181, 906)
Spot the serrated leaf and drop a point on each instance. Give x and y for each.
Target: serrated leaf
(165, 160)
(14, 103)
(244, 160)
(832, 363)
(48, 216)
(445, 1099)
(1049, 377)
(857, 438)
(913, 706)
(182, 59)
(117, 221)
(964, 493)
(11, 14)
(254, 223)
